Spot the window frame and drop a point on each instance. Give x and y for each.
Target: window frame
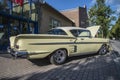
(77, 35)
(56, 33)
(53, 23)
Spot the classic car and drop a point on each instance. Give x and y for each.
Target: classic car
(58, 44)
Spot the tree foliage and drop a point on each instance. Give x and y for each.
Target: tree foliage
(101, 14)
(115, 31)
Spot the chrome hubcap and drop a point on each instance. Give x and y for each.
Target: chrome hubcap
(60, 56)
(103, 50)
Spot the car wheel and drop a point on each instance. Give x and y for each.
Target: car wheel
(58, 57)
(103, 50)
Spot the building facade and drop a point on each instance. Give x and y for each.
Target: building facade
(78, 16)
(36, 18)
(51, 18)
(48, 17)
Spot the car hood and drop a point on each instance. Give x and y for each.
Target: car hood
(93, 30)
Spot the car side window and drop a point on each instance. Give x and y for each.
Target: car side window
(57, 32)
(74, 32)
(80, 33)
(84, 33)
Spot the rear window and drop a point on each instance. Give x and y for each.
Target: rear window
(57, 32)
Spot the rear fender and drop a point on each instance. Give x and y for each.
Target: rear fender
(59, 49)
(12, 41)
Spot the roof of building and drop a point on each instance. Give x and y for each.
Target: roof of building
(72, 9)
(48, 5)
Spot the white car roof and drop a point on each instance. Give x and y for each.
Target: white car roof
(92, 29)
(69, 28)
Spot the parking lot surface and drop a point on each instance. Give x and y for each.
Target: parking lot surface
(90, 67)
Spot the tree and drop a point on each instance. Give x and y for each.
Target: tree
(115, 31)
(101, 14)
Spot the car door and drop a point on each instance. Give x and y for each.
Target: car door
(85, 43)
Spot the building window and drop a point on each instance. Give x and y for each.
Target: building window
(54, 23)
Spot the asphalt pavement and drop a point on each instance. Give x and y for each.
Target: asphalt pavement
(90, 67)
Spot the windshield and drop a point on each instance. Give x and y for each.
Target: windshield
(57, 32)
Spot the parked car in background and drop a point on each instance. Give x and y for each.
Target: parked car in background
(59, 43)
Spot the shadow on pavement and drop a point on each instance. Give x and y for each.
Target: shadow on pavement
(5, 55)
(44, 62)
(116, 53)
(80, 57)
(98, 67)
(40, 62)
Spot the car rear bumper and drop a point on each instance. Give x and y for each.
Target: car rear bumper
(16, 54)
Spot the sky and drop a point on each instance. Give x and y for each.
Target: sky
(66, 4)
(69, 4)
(115, 5)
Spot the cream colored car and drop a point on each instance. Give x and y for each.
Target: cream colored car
(58, 44)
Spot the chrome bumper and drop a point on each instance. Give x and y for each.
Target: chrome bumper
(16, 54)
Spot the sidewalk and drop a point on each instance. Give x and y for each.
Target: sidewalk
(116, 54)
(92, 67)
(95, 67)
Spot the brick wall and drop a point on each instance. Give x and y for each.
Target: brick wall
(78, 16)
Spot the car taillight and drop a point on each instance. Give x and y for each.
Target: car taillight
(17, 46)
